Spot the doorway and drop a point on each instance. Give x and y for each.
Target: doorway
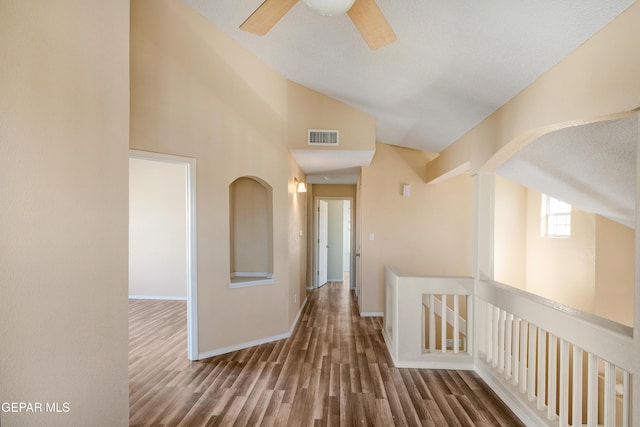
(333, 241)
(162, 233)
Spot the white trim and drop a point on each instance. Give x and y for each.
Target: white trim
(524, 410)
(295, 321)
(242, 346)
(251, 274)
(192, 246)
(250, 283)
(252, 279)
(254, 343)
(372, 314)
(465, 364)
(157, 297)
(352, 240)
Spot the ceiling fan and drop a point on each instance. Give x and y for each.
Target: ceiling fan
(365, 14)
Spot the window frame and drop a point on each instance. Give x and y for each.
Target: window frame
(555, 218)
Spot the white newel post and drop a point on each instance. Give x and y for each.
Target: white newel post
(483, 200)
(483, 196)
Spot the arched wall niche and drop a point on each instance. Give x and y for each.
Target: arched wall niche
(251, 232)
(591, 165)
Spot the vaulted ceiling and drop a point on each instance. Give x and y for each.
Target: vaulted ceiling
(454, 63)
(592, 167)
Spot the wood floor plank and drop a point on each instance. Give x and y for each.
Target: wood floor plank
(334, 370)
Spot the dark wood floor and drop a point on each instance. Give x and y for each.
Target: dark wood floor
(333, 370)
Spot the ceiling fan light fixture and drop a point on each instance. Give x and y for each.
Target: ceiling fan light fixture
(329, 7)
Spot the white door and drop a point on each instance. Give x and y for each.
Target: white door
(323, 241)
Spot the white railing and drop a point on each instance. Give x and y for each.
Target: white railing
(427, 320)
(567, 366)
(554, 364)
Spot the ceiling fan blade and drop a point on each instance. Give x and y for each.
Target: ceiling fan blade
(369, 20)
(266, 16)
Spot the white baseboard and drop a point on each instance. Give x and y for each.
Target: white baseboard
(372, 314)
(295, 321)
(157, 297)
(254, 343)
(526, 411)
(242, 346)
(415, 364)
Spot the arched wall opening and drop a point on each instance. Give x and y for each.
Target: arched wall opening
(251, 228)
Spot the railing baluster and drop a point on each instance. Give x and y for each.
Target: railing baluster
(609, 394)
(507, 347)
(552, 371)
(470, 326)
(542, 368)
(456, 326)
(531, 364)
(489, 340)
(443, 323)
(564, 383)
(515, 352)
(576, 411)
(625, 398)
(496, 336)
(432, 323)
(524, 329)
(592, 390)
(503, 315)
(553, 377)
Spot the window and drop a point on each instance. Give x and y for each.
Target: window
(556, 217)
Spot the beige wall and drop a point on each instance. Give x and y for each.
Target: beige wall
(614, 270)
(157, 229)
(196, 93)
(593, 270)
(250, 224)
(561, 269)
(597, 79)
(64, 108)
(510, 233)
(428, 233)
(297, 241)
(309, 109)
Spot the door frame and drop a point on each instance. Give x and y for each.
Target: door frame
(352, 250)
(192, 248)
(322, 271)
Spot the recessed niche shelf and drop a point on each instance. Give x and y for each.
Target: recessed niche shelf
(251, 232)
(243, 280)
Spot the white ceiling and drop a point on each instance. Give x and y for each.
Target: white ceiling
(453, 65)
(592, 167)
(332, 166)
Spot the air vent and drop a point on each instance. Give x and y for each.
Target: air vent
(323, 137)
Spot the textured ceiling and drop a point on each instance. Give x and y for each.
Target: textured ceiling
(592, 167)
(453, 65)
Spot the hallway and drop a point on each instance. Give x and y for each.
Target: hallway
(333, 370)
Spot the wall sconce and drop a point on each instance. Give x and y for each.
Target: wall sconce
(301, 187)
